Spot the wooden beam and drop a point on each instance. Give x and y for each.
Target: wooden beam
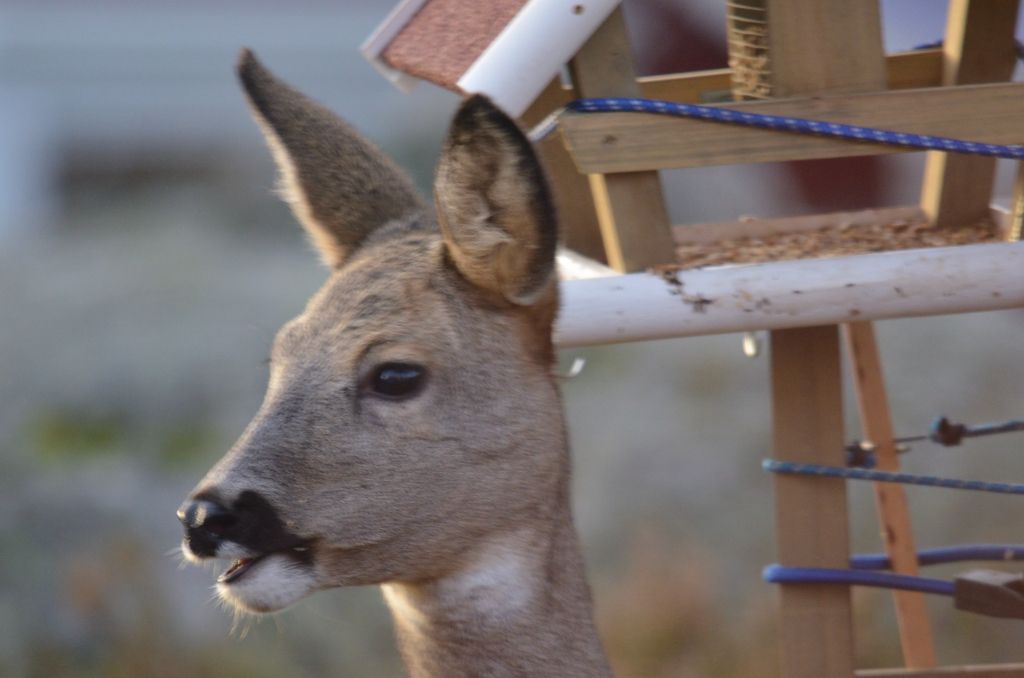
(905, 70)
(684, 87)
(810, 513)
(913, 70)
(890, 499)
(574, 203)
(757, 227)
(824, 46)
(1015, 230)
(631, 209)
(978, 671)
(633, 220)
(815, 46)
(629, 142)
(978, 48)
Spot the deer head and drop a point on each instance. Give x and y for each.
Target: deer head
(411, 414)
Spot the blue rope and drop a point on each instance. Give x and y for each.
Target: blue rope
(778, 574)
(777, 122)
(793, 468)
(948, 554)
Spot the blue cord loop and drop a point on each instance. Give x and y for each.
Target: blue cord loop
(943, 555)
(779, 122)
(863, 568)
(778, 574)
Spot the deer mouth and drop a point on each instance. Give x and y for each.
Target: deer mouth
(237, 569)
(269, 581)
(299, 555)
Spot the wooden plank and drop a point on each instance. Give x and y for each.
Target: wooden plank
(978, 48)
(627, 142)
(575, 205)
(824, 46)
(978, 671)
(905, 70)
(810, 513)
(815, 46)
(756, 227)
(630, 213)
(913, 70)
(686, 87)
(630, 208)
(1015, 229)
(890, 499)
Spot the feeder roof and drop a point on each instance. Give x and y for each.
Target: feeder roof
(507, 49)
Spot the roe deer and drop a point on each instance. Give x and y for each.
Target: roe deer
(412, 432)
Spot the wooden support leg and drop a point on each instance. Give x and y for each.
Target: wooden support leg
(811, 514)
(630, 207)
(891, 500)
(815, 46)
(575, 204)
(1016, 230)
(978, 48)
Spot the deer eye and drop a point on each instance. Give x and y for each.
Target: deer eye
(397, 380)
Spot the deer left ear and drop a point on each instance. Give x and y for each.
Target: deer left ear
(494, 205)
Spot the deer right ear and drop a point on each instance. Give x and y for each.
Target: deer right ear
(494, 206)
(339, 185)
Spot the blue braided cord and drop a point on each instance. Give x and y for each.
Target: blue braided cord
(773, 466)
(778, 574)
(948, 554)
(779, 122)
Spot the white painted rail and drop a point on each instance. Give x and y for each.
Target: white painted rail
(717, 300)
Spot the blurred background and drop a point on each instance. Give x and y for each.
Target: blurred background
(145, 266)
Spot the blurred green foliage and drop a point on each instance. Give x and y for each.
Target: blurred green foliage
(60, 436)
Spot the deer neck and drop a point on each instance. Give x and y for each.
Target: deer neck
(520, 607)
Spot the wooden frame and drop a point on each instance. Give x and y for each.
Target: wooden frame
(904, 70)
(978, 47)
(835, 71)
(626, 142)
(840, 65)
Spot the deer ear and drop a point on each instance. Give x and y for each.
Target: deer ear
(494, 206)
(339, 185)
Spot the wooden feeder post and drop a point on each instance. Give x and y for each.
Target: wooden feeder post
(821, 47)
(978, 48)
(631, 209)
(577, 217)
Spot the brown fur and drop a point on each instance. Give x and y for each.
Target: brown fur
(457, 499)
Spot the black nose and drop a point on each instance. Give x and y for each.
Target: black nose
(207, 523)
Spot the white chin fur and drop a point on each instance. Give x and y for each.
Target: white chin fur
(274, 583)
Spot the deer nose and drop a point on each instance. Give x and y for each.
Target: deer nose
(207, 523)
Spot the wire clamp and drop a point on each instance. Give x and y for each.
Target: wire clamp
(991, 593)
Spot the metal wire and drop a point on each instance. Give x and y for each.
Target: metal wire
(820, 470)
(942, 432)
